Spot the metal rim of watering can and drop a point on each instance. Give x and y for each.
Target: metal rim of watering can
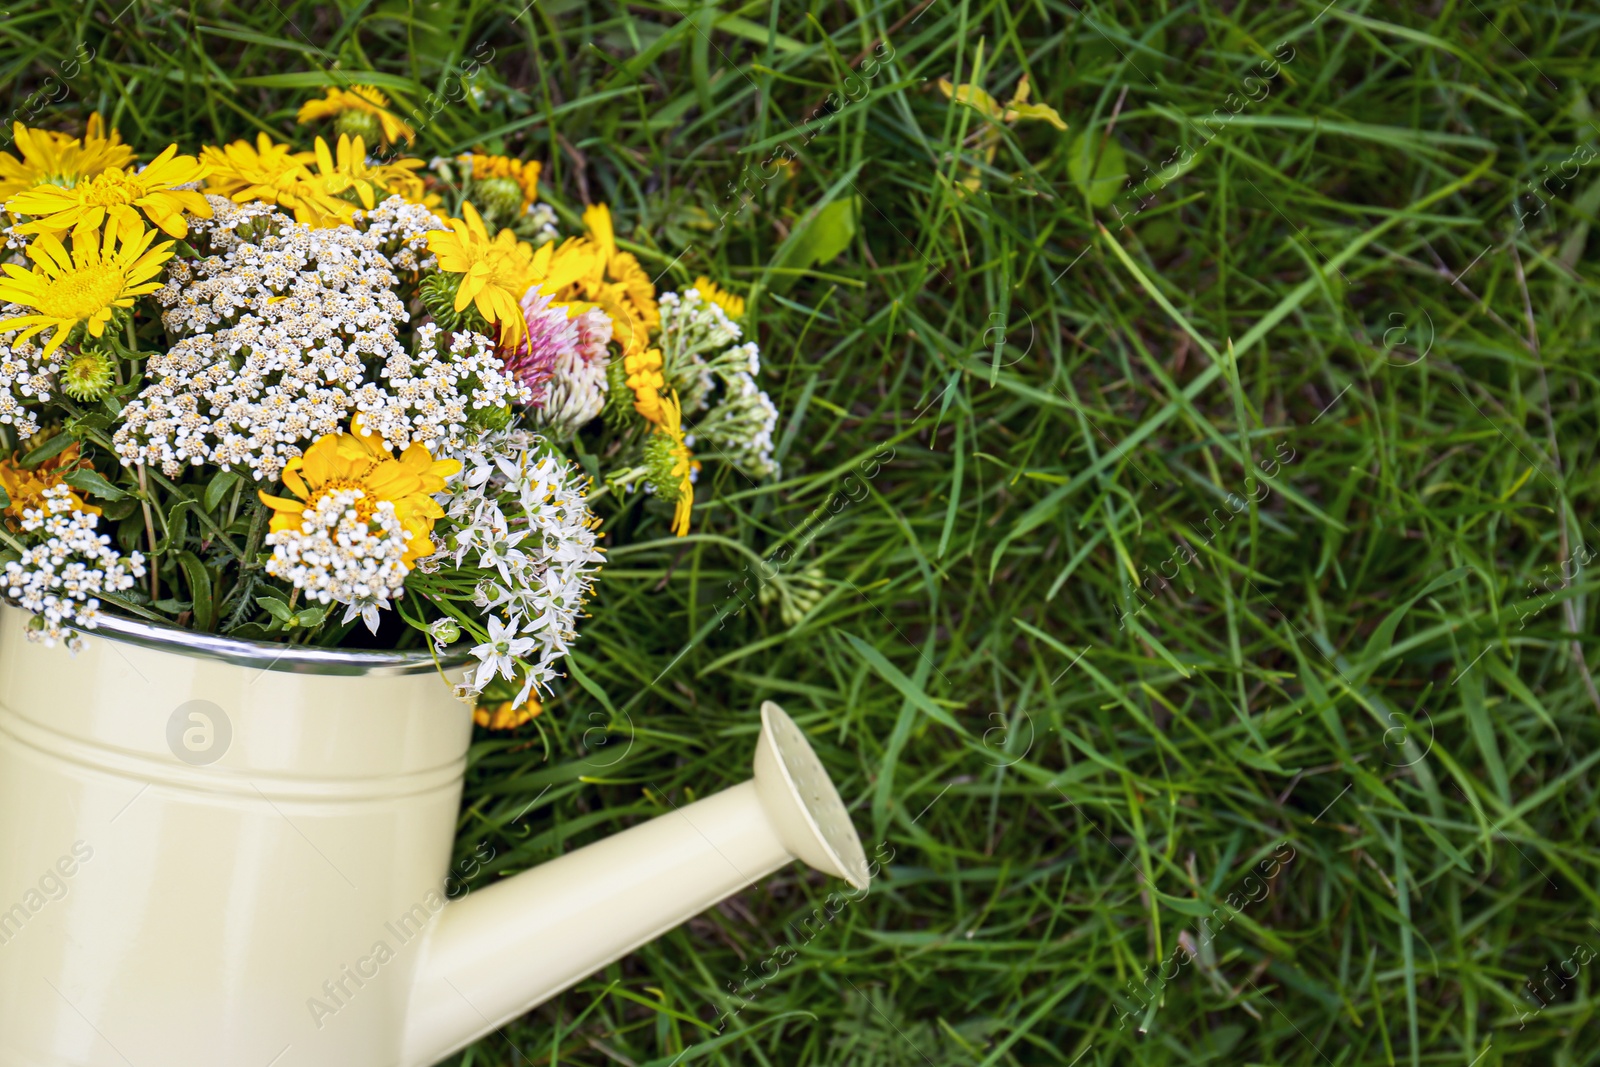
(269, 655)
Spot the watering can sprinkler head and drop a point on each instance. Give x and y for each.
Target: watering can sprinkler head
(802, 803)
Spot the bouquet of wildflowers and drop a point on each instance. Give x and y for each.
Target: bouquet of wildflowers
(334, 396)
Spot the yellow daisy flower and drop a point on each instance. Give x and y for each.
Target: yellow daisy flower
(710, 290)
(26, 486)
(346, 169)
(275, 173)
(401, 178)
(345, 172)
(102, 273)
(618, 283)
(524, 176)
(50, 158)
(671, 424)
(359, 460)
(361, 109)
(114, 193)
(495, 273)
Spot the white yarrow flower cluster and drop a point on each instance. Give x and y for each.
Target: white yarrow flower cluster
(401, 228)
(282, 338)
(430, 396)
(26, 377)
(337, 556)
(697, 344)
(61, 579)
(517, 511)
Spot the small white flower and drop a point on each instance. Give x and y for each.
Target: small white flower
(498, 655)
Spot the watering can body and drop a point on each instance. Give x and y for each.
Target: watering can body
(222, 852)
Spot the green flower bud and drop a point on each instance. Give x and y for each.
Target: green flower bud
(362, 124)
(660, 457)
(438, 293)
(500, 198)
(444, 632)
(89, 375)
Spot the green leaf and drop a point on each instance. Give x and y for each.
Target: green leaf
(909, 689)
(218, 488)
(93, 483)
(829, 233)
(1109, 172)
(313, 616)
(199, 579)
(278, 609)
(94, 420)
(5, 498)
(53, 447)
(117, 510)
(1378, 644)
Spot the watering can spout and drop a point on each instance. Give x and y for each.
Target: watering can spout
(501, 950)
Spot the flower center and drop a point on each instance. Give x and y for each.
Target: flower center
(364, 506)
(82, 293)
(112, 188)
(503, 647)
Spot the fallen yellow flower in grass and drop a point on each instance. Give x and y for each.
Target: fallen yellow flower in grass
(506, 715)
(1011, 112)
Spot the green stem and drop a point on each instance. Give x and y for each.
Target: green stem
(150, 531)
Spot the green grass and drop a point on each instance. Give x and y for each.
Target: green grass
(1376, 663)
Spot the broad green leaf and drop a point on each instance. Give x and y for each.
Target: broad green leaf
(218, 487)
(275, 607)
(53, 447)
(93, 483)
(829, 234)
(1097, 166)
(199, 579)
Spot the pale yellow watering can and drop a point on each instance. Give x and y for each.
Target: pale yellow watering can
(219, 853)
